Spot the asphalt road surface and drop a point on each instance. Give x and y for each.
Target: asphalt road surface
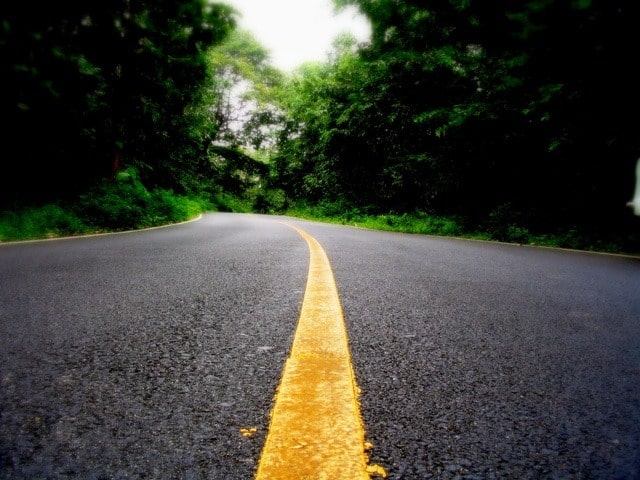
(143, 355)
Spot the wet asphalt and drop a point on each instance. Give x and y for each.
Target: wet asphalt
(143, 355)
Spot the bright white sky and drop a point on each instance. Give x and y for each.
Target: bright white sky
(297, 31)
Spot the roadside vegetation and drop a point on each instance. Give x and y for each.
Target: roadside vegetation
(128, 205)
(513, 123)
(111, 206)
(422, 223)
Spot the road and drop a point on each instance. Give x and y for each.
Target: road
(144, 355)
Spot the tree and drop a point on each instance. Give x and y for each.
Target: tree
(88, 82)
(517, 110)
(246, 110)
(244, 89)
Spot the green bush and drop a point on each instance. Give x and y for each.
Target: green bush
(165, 207)
(41, 222)
(117, 205)
(503, 225)
(225, 202)
(270, 201)
(414, 223)
(125, 203)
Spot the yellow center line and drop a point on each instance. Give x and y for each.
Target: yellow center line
(316, 431)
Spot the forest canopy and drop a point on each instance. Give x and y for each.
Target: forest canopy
(90, 87)
(516, 111)
(496, 112)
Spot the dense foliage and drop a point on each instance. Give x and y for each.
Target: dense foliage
(91, 87)
(511, 118)
(507, 113)
(244, 110)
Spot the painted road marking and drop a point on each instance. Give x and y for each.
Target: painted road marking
(316, 431)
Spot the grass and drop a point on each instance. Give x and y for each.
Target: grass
(450, 226)
(406, 223)
(42, 222)
(125, 204)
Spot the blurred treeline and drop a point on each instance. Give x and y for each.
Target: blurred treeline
(508, 116)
